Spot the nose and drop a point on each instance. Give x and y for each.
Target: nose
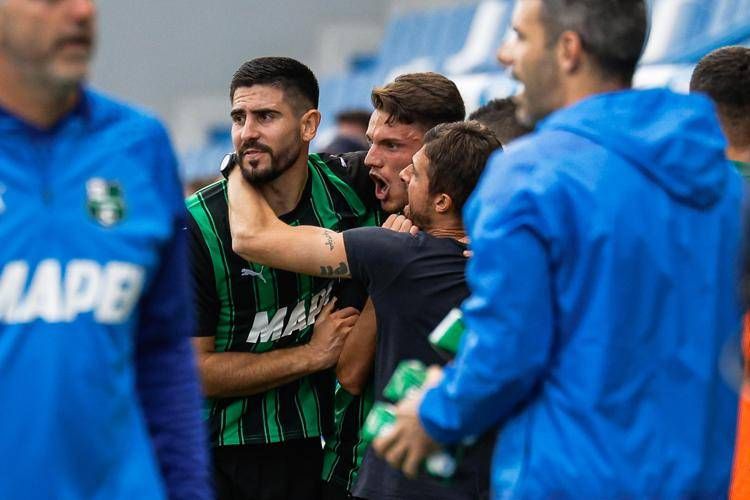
(405, 174)
(505, 53)
(372, 159)
(249, 131)
(83, 11)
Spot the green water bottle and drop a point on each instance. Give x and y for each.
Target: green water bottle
(447, 335)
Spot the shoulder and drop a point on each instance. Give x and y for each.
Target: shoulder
(343, 165)
(349, 174)
(211, 197)
(385, 244)
(108, 113)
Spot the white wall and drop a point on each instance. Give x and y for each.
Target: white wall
(164, 54)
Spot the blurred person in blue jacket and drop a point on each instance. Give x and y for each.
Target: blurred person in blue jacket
(99, 394)
(603, 281)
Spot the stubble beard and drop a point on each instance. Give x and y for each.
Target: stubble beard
(278, 165)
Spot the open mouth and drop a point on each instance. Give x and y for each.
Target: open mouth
(381, 186)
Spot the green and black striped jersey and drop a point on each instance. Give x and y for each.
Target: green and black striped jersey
(345, 449)
(253, 308)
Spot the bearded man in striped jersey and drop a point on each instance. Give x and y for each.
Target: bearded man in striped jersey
(267, 338)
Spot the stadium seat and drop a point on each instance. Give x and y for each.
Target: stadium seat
(488, 28)
(431, 36)
(675, 25)
(479, 88)
(724, 15)
(462, 42)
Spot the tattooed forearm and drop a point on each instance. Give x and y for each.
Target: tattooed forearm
(329, 240)
(328, 271)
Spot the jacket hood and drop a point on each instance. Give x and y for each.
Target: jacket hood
(674, 139)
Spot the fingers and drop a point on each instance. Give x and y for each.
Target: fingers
(388, 224)
(345, 326)
(468, 254)
(400, 224)
(404, 224)
(412, 461)
(385, 441)
(327, 309)
(413, 230)
(396, 454)
(345, 313)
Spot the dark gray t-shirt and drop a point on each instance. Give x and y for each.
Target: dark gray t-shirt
(414, 281)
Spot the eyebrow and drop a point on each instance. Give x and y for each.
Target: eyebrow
(237, 111)
(385, 139)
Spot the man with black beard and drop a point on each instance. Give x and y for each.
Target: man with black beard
(265, 371)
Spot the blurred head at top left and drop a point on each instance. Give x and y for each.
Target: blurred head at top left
(47, 42)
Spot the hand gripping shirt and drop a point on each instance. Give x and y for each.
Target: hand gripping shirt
(90, 217)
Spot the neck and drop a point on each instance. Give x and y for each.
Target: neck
(585, 86)
(741, 154)
(283, 194)
(448, 228)
(40, 104)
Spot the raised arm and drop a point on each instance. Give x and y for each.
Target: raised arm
(259, 236)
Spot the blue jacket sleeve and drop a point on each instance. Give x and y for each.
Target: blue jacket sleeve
(166, 375)
(508, 315)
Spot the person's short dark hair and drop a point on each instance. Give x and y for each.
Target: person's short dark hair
(359, 117)
(425, 99)
(458, 153)
(613, 32)
(499, 115)
(295, 79)
(724, 75)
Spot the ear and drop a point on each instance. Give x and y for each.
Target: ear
(569, 51)
(309, 124)
(442, 203)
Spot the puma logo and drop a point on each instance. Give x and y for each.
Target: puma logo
(254, 274)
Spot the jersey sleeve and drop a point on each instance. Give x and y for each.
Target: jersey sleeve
(205, 299)
(376, 255)
(352, 169)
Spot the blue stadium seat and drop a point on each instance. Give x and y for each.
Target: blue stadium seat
(425, 39)
(488, 29)
(676, 24)
(479, 88)
(724, 15)
(455, 29)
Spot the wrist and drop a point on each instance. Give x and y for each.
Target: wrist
(312, 359)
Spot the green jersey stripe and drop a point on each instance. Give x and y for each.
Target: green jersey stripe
(230, 433)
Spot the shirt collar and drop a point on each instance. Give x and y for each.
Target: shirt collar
(81, 111)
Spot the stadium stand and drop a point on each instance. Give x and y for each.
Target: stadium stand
(461, 41)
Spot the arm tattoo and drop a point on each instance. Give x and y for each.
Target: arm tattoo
(329, 240)
(329, 271)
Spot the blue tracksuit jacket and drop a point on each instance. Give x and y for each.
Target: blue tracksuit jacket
(603, 305)
(96, 378)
